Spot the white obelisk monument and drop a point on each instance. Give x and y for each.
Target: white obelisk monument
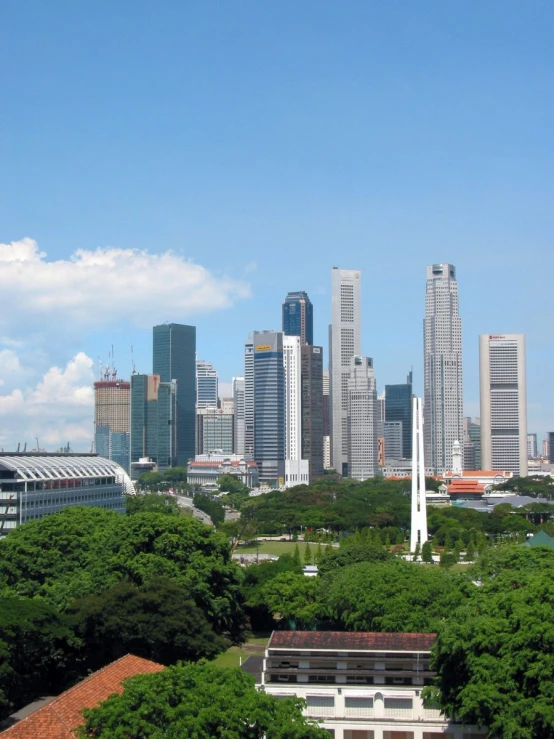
(419, 506)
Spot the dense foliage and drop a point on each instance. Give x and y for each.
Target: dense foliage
(148, 502)
(211, 506)
(198, 701)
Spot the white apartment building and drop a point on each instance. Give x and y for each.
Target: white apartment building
(442, 337)
(345, 342)
(362, 420)
(503, 402)
(297, 470)
(360, 685)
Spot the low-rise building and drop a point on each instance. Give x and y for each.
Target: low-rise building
(360, 685)
(32, 485)
(207, 468)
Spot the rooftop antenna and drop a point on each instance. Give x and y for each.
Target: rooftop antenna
(133, 360)
(18, 445)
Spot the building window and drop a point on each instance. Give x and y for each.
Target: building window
(398, 707)
(320, 705)
(358, 706)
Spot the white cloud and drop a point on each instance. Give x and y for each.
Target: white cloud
(57, 409)
(97, 288)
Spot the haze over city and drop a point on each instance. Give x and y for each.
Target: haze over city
(195, 162)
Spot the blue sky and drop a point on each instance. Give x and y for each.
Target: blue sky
(261, 143)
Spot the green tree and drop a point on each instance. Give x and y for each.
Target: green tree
(495, 656)
(200, 701)
(145, 503)
(158, 621)
(417, 551)
(319, 555)
(427, 552)
(470, 551)
(212, 507)
(232, 484)
(294, 598)
(308, 557)
(150, 481)
(348, 554)
(37, 651)
(255, 579)
(448, 559)
(391, 596)
(296, 556)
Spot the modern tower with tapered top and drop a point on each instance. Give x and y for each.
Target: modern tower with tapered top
(418, 534)
(442, 339)
(345, 342)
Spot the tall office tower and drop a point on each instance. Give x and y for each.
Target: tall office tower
(269, 406)
(249, 397)
(326, 424)
(381, 412)
(442, 331)
(238, 402)
(214, 430)
(298, 317)
(469, 446)
(296, 468)
(399, 408)
(206, 385)
(154, 409)
(312, 408)
(112, 399)
(532, 448)
(393, 437)
(548, 447)
(418, 533)
(174, 354)
(362, 419)
(503, 402)
(345, 342)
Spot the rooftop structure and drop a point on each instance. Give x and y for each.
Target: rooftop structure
(62, 717)
(32, 485)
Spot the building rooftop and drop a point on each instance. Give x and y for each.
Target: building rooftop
(218, 463)
(62, 717)
(35, 466)
(347, 640)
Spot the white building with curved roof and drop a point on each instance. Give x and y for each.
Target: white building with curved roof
(33, 485)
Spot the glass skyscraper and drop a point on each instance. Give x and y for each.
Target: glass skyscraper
(398, 407)
(298, 317)
(269, 406)
(153, 427)
(174, 358)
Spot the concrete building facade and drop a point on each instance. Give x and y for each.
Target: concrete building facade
(362, 420)
(503, 396)
(206, 384)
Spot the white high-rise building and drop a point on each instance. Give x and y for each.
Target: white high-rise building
(238, 404)
(442, 338)
(345, 342)
(249, 397)
(326, 429)
(418, 534)
(503, 402)
(206, 385)
(532, 446)
(296, 469)
(363, 418)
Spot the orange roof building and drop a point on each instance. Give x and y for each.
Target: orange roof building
(63, 716)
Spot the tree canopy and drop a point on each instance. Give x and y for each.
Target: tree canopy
(200, 701)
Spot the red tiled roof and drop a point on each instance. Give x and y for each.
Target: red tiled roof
(459, 487)
(63, 716)
(347, 640)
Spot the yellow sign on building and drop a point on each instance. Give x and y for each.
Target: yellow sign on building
(263, 348)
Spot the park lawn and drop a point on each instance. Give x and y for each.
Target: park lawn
(278, 548)
(255, 646)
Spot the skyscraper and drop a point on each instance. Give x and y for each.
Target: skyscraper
(249, 397)
(344, 343)
(296, 468)
(503, 402)
(326, 423)
(112, 399)
(269, 406)
(153, 421)
(214, 430)
(312, 408)
(238, 403)
(549, 444)
(532, 447)
(174, 355)
(298, 317)
(398, 407)
(363, 416)
(442, 331)
(206, 385)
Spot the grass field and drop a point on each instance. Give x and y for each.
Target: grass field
(277, 548)
(232, 657)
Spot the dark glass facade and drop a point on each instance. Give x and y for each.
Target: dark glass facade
(174, 358)
(153, 427)
(398, 407)
(550, 437)
(312, 408)
(298, 317)
(269, 406)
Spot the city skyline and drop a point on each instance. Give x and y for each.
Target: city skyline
(175, 166)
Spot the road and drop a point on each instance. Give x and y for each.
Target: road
(185, 502)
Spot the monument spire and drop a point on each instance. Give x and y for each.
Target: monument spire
(418, 533)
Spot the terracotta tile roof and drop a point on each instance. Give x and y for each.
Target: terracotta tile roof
(459, 487)
(60, 718)
(346, 640)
